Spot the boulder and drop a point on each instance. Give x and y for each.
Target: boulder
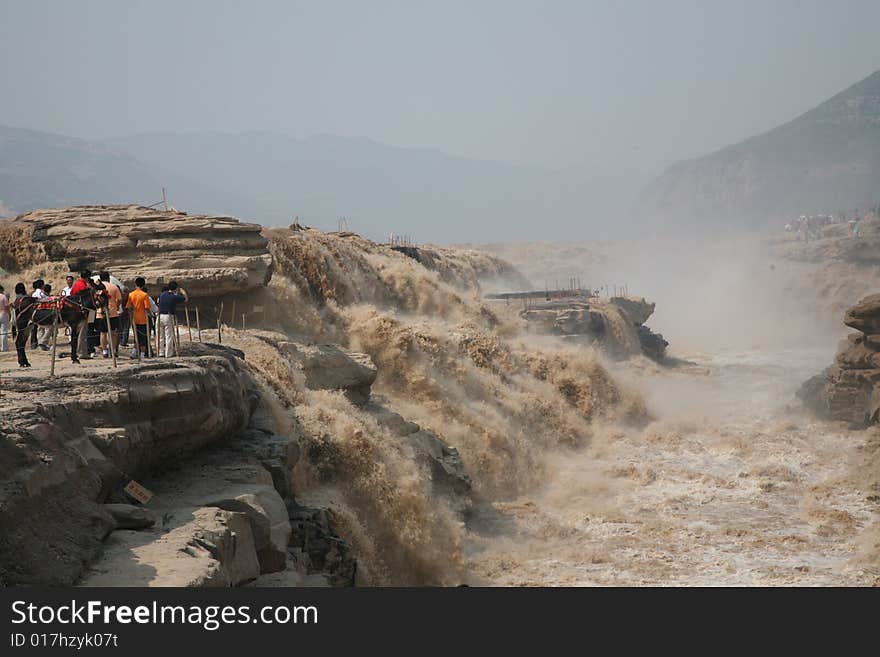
(214, 547)
(267, 514)
(653, 344)
(392, 422)
(865, 315)
(316, 546)
(276, 453)
(128, 516)
(326, 366)
(637, 309)
(448, 475)
(329, 367)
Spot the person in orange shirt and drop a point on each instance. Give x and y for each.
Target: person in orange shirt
(139, 306)
(114, 305)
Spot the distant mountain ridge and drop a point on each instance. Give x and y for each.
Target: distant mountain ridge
(45, 170)
(825, 160)
(425, 193)
(269, 178)
(39, 169)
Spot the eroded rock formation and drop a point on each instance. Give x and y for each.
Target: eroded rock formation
(210, 255)
(616, 324)
(849, 390)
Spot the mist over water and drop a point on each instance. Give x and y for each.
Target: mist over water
(730, 481)
(726, 292)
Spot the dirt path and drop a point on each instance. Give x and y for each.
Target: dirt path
(41, 364)
(731, 485)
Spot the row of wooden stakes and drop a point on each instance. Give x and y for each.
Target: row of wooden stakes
(150, 336)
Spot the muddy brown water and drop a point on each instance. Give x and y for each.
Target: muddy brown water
(731, 484)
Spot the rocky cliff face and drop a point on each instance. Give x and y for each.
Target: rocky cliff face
(211, 256)
(849, 390)
(837, 243)
(826, 160)
(72, 441)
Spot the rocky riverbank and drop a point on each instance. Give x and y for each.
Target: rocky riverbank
(849, 389)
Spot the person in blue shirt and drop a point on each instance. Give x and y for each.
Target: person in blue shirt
(168, 301)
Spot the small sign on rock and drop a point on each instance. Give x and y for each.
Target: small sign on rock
(138, 492)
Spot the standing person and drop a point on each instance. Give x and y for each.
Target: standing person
(153, 326)
(39, 334)
(157, 335)
(168, 301)
(114, 306)
(139, 303)
(21, 303)
(38, 289)
(66, 291)
(99, 293)
(124, 318)
(81, 286)
(4, 318)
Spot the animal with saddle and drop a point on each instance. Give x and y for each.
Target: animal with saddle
(72, 311)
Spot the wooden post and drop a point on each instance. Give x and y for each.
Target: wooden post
(198, 324)
(219, 322)
(242, 321)
(175, 335)
(188, 326)
(158, 332)
(110, 334)
(232, 318)
(137, 343)
(54, 341)
(12, 331)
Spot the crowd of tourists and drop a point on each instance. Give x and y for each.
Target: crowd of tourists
(809, 227)
(109, 320)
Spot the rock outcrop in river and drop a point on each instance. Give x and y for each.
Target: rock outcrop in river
(617, 325)
(849, 390)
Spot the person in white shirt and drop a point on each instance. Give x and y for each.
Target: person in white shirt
(38, 289)
(39, 334)
(66, 291)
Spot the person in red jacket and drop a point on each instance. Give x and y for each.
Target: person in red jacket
(80, 287)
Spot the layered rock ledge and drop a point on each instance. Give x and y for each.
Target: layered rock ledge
(215, 255)
(67, 443)
(849, 390)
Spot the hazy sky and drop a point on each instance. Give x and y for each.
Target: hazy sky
(631, 85)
